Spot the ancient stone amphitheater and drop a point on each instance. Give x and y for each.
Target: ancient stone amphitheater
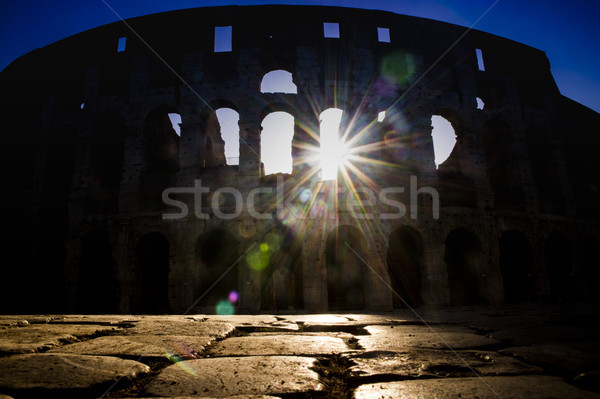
(119, 196)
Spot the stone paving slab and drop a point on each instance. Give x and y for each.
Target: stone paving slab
(224, 377)
(64, 371)
(530, 387)
(40, 337)
(180, 326)
(543, 334)
(398, 338)
(300, 345)
(183, 347)
(563, 357)
(437, 363)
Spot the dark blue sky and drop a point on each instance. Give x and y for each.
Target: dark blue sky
(568, 31)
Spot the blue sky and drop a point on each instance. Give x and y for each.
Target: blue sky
(568, 31)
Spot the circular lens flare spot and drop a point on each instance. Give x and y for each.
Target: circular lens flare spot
(225, 308)
(233, 296)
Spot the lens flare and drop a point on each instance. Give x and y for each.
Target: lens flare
(233, 296)
(225, 308)
(181, 364)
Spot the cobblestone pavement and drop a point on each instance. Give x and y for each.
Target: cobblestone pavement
(528, 351)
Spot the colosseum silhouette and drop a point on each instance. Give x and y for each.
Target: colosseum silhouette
(103, 206)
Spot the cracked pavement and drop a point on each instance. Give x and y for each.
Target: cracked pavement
(534, 351)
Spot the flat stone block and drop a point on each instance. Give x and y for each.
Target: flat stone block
(64, 371)
(179, 326)
(437, 363)
(564, 357)
(224, 377)
(183, 347)
(37, 337)
(306, 345)
(530, 387)
(399, 338)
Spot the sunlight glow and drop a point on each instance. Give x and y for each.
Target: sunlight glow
(444, 139)
(333, 150)
(276, 142)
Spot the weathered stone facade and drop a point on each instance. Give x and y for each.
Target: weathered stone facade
(89, 150)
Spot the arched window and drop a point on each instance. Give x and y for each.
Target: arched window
(444, 138)
(278, 81)
(276, 143)
(332, 147)
(230, 133)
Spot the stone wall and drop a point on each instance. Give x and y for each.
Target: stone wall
(89, 151)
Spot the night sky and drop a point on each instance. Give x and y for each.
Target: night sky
(568, 31)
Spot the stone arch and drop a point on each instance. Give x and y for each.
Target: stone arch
(498, 139)
(106, 164)
(405, 264)
(278, 81)
(516, 266)
(276, 142)
(281, 279)
(463, 256)
(558, 256)
(216, 256)
(97, 284)
(152, 270)
(346, 275)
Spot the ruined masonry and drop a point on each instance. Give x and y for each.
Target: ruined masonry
(89, 148)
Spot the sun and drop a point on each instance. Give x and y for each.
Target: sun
(334, 150)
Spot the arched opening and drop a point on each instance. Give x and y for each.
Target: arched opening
(152, 261)
(160, 147)
(276, 143)
(278, 81)
(45, 279)
(217, 254)
(444, 138)
(106, 164)
(230, 134)
(590, 264)
(405, 261)
(346, 276)
(98, 286)
(463, 256)
(497, 142)
(559, 258)
(281, 279)
(332, 146)
(516, 265)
